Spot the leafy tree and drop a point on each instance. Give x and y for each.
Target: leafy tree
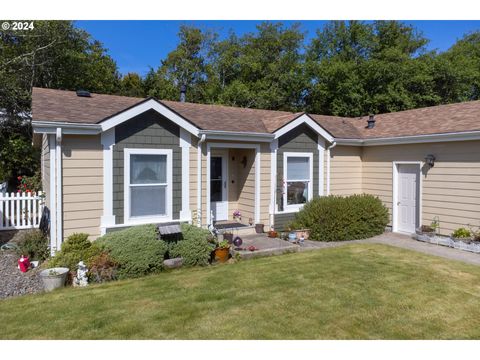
(132, 85)
(54, 54)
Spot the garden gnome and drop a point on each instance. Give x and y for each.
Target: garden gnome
(81, 278)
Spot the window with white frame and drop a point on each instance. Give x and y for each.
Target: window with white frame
(298, 175)
(148, 184)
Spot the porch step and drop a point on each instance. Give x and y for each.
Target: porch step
(241, 231)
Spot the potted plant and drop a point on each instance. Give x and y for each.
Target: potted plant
(53, 278)
(259, 228)
(222, 251)
(272, 234)
(462, 234)
(303, 234)
(228, 236)
(237, 215)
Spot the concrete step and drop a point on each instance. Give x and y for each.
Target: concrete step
(240, 231)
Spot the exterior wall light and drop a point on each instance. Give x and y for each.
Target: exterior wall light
(430, 160)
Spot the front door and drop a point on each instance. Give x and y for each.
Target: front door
(218, 187)
(408, 195)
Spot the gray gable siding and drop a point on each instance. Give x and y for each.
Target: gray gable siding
(300, 139)
(149, 130)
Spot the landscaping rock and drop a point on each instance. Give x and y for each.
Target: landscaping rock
(12, 281)
(173, 263)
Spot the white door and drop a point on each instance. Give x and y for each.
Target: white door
(218, 187)
(407, 198)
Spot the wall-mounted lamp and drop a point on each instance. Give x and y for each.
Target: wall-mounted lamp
(430, 160)
(244, 162)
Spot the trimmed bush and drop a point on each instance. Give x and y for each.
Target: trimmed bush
(336, 218)
(195, 248)
(136, 250)
(34, 244)
(76, 248)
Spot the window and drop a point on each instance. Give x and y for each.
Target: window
(298, 171)
(148, 184)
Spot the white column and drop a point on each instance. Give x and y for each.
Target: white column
(185, 144)
(59, 207)
(52, 194)
(321, 165)
(257, 184)
(108, 140)
(273, 179)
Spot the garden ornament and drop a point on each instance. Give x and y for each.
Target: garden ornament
(81, 278)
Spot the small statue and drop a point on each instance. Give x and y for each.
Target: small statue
(81, 278)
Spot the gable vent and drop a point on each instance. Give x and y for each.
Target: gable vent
(83, 93)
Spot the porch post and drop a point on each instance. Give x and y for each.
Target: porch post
(185, 144)
(108, 219)
(273, 180)
(52, 194)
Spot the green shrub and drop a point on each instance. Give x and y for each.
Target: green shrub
(34, 244)
(336, 218)
(76, 248)
(195, 248)
(462, 233)
(136, 250)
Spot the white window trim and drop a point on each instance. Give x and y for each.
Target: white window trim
(128, 220)
(286, 155)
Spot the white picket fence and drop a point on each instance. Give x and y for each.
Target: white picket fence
(20, 210)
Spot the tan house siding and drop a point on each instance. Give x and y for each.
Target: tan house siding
(345, 170)
(450, 190)
(82, 178)
(193, 178)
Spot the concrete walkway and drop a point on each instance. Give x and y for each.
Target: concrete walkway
(405, 242)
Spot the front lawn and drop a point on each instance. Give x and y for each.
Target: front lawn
(350, 292)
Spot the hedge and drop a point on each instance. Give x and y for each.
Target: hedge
(137, 250)
(336, 218)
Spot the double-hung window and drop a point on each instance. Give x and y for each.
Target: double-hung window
(298, 177)
(148, 185)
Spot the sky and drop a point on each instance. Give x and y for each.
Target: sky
(138, 45)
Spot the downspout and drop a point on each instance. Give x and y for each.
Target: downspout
(328, 165)
(199, 179)
(58, 168)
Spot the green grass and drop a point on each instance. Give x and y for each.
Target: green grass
(350, 292)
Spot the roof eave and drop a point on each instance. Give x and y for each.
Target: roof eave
(412, 139)
(50, 127)
(237, 135)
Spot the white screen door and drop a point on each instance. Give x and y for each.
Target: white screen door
(218, 187)
(407, 199)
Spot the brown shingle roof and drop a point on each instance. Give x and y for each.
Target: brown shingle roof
(439, 119)
(66, 106)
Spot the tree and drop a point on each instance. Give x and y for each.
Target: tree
(357, 68)
(132, 85)
(54, 54)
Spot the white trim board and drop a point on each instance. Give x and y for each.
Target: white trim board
(304, 119)
(150, 104)
(286, 155)
(257, 173)
(52, 196)
(185, 144)
(395, 191)
(108, 140)
(126, 187)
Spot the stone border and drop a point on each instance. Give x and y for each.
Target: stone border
(449, 242)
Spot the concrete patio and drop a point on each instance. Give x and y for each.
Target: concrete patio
(267, 246)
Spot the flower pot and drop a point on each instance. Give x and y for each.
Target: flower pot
(53, 278)
(272, 234)
(221, 254)
(303, 233)
(259, 228)
(228, 237)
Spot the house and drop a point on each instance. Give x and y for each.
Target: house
(111, 161)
